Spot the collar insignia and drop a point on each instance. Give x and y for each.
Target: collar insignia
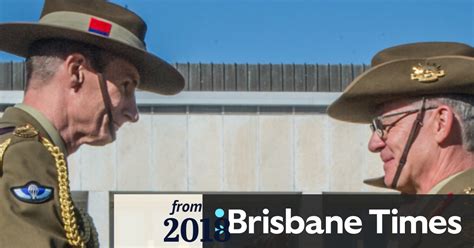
(469, 191)
(427, 73)
(33, 192)
(25, 131)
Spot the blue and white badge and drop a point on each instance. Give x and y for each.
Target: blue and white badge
(33, 192)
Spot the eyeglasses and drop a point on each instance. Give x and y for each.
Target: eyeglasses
(381, 129)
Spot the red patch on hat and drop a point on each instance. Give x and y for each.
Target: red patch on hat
(100, 27)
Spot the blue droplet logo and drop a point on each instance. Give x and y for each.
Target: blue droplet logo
(219, 213)
(219, 230)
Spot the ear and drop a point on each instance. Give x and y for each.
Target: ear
(75, 64)
(444, 123)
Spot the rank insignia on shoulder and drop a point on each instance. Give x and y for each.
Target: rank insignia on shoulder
(33, 192)
(25, 131)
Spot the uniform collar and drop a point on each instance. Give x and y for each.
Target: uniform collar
(46, 124)
(455, 184)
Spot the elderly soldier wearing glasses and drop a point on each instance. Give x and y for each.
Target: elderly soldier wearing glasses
(85, 58)
(418, 99)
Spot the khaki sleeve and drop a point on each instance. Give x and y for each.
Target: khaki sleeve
(26, 224)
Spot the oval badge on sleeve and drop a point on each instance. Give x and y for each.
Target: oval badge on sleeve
(33, 192)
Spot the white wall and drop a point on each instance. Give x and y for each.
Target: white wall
(308, 153)
(230, 152)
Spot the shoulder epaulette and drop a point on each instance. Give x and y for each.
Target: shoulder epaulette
(22, 131)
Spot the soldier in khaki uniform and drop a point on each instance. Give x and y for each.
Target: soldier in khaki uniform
(418, 99)
(84, 60)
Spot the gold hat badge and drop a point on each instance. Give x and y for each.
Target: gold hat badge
(427, 73)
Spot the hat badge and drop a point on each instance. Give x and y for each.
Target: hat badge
(427, 73)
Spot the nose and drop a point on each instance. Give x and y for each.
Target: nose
(131, 110)
(376, 144)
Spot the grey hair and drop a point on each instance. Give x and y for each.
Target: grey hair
(463, 107)
(45, 56)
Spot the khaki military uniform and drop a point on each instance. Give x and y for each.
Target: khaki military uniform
(30, 208)
(454, 204)
(451, 188)
(460, 183)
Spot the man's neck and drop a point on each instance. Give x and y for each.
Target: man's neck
(52, 107)
(450, 162)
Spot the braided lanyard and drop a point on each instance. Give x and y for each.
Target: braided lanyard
(71, 228)
(107, 103)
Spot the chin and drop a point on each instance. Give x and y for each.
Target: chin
(101, 141)
(389, 176)
(402, 184)
(387, 181)
(389, 168)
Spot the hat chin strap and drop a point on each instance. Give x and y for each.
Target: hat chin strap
(417, 124)
(107, 104)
